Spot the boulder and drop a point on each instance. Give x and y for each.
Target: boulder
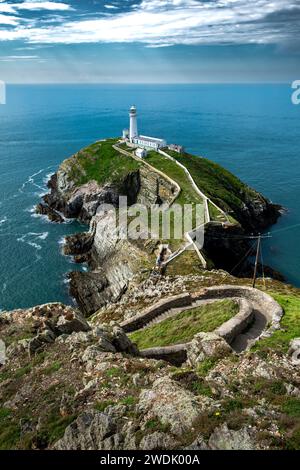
(157, 441)
(206, 345)
(225, 439)
(90, 431)
(105, 345)
(122, 343)
(71, 322)
(92, 353)
(15, 349)
(41, 340)
(171, 404)
(294, 350)
(198, 444)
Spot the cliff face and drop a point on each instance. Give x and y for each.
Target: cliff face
(82, 202)
(113, 264)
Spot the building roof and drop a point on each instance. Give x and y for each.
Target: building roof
(150, 139)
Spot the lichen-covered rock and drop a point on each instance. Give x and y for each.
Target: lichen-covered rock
(172, 404)
(90, 431)
(206, 345)
(294, 350)
(226, 439)
(157, 441)
(39, 341)
(198, 444)
(74, 322)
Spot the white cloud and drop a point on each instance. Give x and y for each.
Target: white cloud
(42, 5)
(33, 5)
(8, 20)
(159, 23)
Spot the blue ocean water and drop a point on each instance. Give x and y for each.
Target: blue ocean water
(253, 130)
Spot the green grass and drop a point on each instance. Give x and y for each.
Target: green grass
(156, 425)
(221, 186)
(291, 407)
(52, 368)
(100, 162)
(9, 430)
(188, 195)
(183, 327)
(290, 325)
(55, 427)
(101, 406)
(205, 366)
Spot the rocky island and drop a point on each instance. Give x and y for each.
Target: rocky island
(187, 356)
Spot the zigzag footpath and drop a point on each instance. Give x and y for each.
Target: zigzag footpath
(190, 236)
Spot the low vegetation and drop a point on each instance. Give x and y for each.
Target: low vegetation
(101, 163)
(183, 327)
(290, 324)
(224, 188)
(188, 195)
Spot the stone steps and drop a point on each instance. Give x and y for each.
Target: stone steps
(245, 339)
(175, 311)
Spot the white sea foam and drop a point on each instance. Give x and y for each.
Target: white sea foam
(30, 180)
(43, 236)
(2, 221)
(47, 178)
(62, 240)
(41, 194)
(30, 209)
(31, 239)
(66, 281)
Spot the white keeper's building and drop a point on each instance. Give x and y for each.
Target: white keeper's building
(132, 136)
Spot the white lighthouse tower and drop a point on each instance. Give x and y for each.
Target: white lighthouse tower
(133, 131)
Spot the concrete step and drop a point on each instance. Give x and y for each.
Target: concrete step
(175, 311)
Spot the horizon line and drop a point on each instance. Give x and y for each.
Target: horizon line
(153, 83)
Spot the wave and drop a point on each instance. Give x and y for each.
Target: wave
(62, 240)
(47, 178)
(30, 180)
(31, 239)
(2, 221)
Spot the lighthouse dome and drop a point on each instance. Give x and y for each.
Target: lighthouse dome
(133, 109)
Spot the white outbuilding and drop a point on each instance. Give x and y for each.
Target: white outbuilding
(141, 153)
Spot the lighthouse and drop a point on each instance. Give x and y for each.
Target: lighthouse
(133, 132)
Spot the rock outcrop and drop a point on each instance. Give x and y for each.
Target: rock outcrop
(206, 345)
(174, 406)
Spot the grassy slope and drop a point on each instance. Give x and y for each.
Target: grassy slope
(183, 327)
(220, 185)
(290, 324)
(188, 195)
(100, 162)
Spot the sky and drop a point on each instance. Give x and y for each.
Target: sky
(149, 41)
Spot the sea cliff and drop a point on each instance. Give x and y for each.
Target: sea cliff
(100, 174)
(188, 357)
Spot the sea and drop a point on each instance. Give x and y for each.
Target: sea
(252, 130)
